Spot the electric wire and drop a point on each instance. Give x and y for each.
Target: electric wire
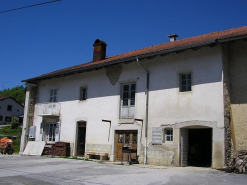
(29, 6)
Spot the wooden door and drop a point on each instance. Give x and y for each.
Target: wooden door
(125, 138)
(81, 138)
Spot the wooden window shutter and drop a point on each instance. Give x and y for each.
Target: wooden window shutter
(156, 136)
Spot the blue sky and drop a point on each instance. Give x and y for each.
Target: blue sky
(46, 38)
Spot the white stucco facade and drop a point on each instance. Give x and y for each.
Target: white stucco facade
(202, 107)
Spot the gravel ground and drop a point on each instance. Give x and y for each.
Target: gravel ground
(35, 170)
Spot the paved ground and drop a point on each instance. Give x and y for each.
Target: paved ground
(43, 170)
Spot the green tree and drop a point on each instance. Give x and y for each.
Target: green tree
(14, 122)
(18, 93)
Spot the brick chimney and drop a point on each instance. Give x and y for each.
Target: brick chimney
(99, 50)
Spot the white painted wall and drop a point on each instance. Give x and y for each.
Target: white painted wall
(17, 109)
(166, 104)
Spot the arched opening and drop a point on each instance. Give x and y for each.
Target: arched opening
(196, 146)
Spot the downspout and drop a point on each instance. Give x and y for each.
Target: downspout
(146, 122)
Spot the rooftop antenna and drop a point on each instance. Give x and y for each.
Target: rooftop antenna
(3, 84)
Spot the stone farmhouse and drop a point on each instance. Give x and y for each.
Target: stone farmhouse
(180, 103)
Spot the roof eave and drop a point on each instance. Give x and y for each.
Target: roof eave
(85, 69)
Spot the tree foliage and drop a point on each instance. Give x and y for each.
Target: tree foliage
(18, 93)
(14, 122)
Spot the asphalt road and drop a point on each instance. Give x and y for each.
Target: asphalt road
(35, 170)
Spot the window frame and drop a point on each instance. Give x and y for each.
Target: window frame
(187, 82)
(129, 91)
(81, 96)
(53, 95)
(6, 117)
(52, 138)
(170, 135)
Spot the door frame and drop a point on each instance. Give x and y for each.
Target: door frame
(130, 126)
(76, 138)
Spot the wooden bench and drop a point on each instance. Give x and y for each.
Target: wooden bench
(97, 155)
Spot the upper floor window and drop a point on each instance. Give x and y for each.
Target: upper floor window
(9, 107)
(127, 100)
(185, 82)
(83, 93)
(53, 95)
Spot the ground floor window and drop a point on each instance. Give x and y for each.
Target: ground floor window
(51, 132)
(1, 118)
(168, 135)
(8, 119)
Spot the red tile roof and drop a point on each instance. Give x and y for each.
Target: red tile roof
(177, 45)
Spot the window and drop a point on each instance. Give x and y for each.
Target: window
(8, 119)
(51, 131)
(129, 94)
(83, 93)
(128, 100)
(9, 107)
(168, 135)
(1, 118)
(185, 82)
(53, 95)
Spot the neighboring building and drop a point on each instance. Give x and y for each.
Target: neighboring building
(9, 108)
(171, 102)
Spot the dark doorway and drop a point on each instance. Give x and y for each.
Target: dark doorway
(81, 138)
(200, 147)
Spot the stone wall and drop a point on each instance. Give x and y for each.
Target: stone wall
(162, 155)
(238, 93)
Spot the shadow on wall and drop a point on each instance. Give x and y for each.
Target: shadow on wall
(164, 74)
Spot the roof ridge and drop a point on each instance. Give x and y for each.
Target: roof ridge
(166, 46)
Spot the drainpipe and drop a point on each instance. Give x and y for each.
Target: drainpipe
(146, 122)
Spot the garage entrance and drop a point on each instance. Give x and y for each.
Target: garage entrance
(196, 147)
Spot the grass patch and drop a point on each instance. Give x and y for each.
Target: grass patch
(8, 132)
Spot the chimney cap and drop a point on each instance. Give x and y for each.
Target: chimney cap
(99, 42)
(172, 37)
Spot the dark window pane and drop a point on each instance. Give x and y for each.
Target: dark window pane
(127, 138)
(189, 88)
(125, 95)
(184, 88)
(171, 138)
(183, 82)
(126, 88)
(51, 92)
(168, 138)
(189, 82)
(132, 102)
(134, 139)
(183, 77)
(125, 102)
(133, 87)
(54, 99)
(189, 76)
(132, 94)
(55, 91)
